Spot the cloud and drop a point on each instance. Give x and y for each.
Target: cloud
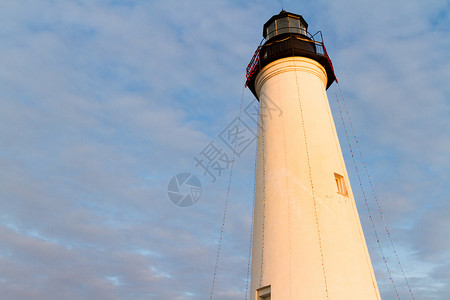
(102, 102)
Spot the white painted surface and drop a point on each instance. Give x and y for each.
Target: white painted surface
(291, 261)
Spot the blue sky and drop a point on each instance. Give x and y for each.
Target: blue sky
(103, 102)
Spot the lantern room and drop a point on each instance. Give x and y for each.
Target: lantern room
(286, 35)
(283, 23)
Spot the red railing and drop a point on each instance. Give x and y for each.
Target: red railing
(252, 66)
(320, 48)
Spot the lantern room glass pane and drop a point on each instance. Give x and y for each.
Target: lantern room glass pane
(271, 30)
(282, 25)
(302, 29)
(294, 25)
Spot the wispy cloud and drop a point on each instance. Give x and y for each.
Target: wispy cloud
(102, 102)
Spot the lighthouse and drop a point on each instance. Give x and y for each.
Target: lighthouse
(308, 242)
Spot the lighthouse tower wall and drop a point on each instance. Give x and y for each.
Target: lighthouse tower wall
(308, 242)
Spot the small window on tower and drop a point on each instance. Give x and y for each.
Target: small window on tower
(340, 183)
(263, 293)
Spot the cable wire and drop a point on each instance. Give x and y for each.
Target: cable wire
(311, 181)
(365, 199)
(373, 192)
(226, 199)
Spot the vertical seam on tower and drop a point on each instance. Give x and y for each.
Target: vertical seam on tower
(333, 129)
(311, 181)
(261, 110)
(288, 204)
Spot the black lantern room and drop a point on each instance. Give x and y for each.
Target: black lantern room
(286, 35)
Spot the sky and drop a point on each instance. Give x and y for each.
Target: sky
(103, 102)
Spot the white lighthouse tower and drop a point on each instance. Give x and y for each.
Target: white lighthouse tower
(307, 242)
